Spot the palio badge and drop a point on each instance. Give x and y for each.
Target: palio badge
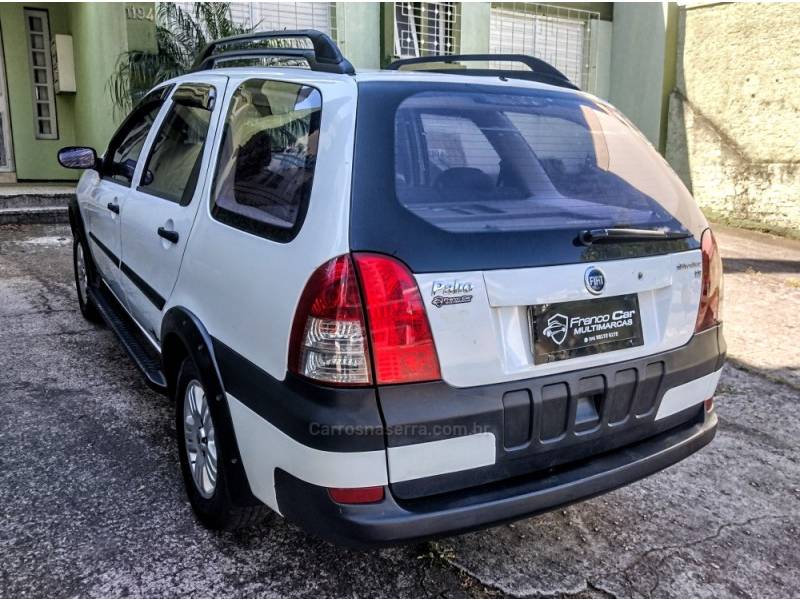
(451, 292)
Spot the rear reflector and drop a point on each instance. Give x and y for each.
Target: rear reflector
(329, 337)
(366, 495)
(708, 313)
(402, 345)
(709, 404)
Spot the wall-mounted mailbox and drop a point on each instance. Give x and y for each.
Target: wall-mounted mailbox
(63, 64)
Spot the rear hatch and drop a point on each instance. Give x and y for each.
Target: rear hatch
(489, 194)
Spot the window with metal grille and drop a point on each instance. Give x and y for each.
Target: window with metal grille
(560, 36)
(37, 28)
(426, 28)
(271, 16)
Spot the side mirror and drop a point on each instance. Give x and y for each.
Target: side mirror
(77, 157)
(126, 168)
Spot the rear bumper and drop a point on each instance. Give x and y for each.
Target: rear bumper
(393, 521)
(543, 422)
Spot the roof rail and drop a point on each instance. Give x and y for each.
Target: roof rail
(539, 70)
(323, 56)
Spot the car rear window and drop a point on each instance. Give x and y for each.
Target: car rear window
(454, 176)
(469, 161)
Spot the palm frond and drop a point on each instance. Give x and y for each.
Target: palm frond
(180, 37)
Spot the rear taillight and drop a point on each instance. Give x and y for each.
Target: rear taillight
(329, 336)
(402, 345)
(708, 313)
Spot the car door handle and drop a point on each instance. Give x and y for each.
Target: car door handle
(169, 235)
(113, 207)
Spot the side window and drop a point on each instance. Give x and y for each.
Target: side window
(173, 166)
(267, 157)
(126, 145)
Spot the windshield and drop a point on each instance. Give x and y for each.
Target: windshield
(468, 162)
(458, 176)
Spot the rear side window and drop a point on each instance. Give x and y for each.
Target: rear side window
(267, 157)
(174, 163)
(472, 162)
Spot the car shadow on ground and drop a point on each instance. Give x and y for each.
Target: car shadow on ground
(743, 265)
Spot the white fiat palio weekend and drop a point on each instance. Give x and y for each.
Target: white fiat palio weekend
(399, 304)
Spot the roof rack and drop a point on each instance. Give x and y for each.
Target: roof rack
(539, 70)
(323, 56)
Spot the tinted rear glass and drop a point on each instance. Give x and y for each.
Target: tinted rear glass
(468, 162)
(453, 176)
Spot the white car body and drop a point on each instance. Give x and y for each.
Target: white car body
(245, 290)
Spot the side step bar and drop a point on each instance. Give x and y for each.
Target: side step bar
(146, 358)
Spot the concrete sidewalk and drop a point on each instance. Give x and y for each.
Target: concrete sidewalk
(28, 203)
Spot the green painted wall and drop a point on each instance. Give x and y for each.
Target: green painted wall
(358, 25)
(643, 64)
(601, 45)
(670, 69)
(475, 27)
(34, 159)
(140, 19)
(101, 32)
(100, 36)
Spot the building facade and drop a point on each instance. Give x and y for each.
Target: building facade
(711, 85)
(54, 64)
(56, 58)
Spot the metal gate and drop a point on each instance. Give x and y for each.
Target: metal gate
(560, 36)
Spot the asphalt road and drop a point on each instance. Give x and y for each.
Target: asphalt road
(92, 502)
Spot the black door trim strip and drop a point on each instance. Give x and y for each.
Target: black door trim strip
(152, 295)
(106, 250)
(155, 298)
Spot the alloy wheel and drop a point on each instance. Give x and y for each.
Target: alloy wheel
(200, 438)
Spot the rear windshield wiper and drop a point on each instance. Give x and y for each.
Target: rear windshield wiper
(621, 235)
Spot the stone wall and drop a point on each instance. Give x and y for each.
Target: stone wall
(734, 115)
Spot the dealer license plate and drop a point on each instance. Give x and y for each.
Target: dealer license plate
(570, 329)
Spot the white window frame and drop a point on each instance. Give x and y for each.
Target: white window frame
(8, 146)
(47, 68)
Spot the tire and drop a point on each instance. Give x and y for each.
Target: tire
(85, 277)
(203, 463)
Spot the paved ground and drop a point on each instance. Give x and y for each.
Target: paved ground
(91, 501)
(762, 293)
